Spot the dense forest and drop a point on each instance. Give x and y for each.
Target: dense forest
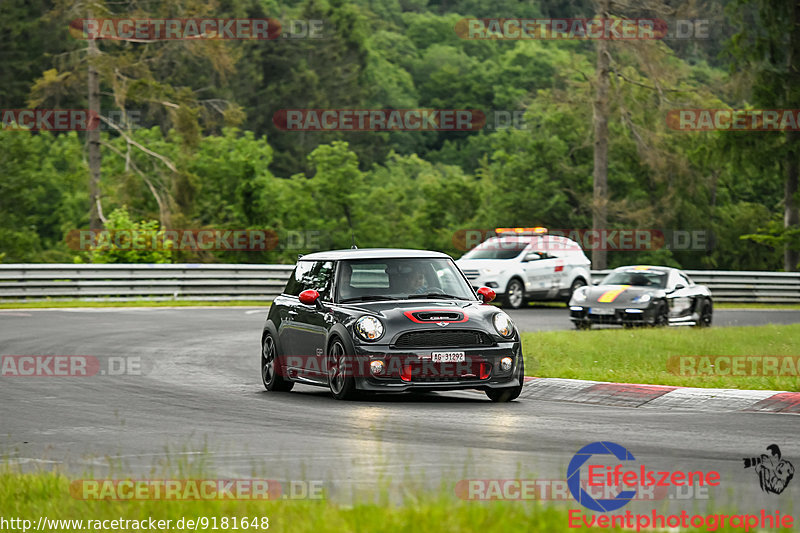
(189, 139)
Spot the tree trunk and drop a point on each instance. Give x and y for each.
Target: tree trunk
(600, 124)
(93, 139)
(791, 216)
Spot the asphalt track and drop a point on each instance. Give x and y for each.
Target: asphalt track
(198, 399)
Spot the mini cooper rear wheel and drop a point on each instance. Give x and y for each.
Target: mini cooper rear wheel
(515, 294)
(340, 372)
(270, 369)
(509, 393)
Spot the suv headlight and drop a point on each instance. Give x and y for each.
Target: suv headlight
(491, 271)
(369, 328)
(503, 325)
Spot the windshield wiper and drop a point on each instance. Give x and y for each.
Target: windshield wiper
(368, 297)
(436, 295)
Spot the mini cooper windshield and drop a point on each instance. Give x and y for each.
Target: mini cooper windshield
(401, 279)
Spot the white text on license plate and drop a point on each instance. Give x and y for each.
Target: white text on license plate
(448, 357)
(601, 311)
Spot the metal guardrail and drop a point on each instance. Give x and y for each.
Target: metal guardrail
(264, 282)
(142, 281)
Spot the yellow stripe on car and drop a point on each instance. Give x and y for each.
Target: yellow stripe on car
(610, 296)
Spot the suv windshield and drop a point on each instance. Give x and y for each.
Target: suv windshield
(393, 279)
(652, 278)
(497, 249)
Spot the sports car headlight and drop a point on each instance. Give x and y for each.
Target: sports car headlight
(579, 295)
(503, 325)
(641, 299)
(369, 328)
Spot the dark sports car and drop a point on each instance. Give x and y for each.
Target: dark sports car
(388, 320)
(642, 295)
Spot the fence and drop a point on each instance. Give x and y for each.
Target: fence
(264, 282)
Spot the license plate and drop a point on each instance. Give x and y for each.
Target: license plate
(448, 357)
(601, 311)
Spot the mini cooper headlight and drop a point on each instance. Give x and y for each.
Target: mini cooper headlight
(369, 328)
(503, 325)
(641, 299)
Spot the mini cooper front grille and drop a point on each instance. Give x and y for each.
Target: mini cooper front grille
(442, 339)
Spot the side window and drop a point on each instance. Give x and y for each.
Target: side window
(317, 275)
(295, 284)
(320, 278)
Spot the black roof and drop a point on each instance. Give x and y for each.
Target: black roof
(373, 253)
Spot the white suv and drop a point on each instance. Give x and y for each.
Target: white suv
(527, 264)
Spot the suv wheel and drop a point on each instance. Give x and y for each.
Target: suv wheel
(515, 294)
(577, 283)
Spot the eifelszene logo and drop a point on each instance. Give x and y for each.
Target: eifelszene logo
(624, 476)
(774, 472)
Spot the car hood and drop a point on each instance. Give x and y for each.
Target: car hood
(618, 294)
(428, 312)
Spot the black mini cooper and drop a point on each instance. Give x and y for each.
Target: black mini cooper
(388, 320)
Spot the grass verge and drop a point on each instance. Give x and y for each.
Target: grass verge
(641, 355)
(46, 495)
(133, 303)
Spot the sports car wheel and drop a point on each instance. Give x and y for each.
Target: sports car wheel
(515, 294)
(270, 369)
(509, 393)
(340, 372)
(662, 318)
(583, 325)
(705, 314)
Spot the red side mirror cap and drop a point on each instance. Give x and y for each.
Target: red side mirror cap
(487, 293)
(309, 297)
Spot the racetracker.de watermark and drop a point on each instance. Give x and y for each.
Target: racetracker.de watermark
(195, 489)
(248, 240)
(71, 366)
(618, 29)
(612, 240)
(167, 29)
(49, 120)
(379, 119)
(557, 490)
(733, 119)
(151, 29)
(735, 365)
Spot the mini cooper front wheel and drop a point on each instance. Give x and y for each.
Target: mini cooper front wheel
(509, 393)
(270, 367)
(340, 372)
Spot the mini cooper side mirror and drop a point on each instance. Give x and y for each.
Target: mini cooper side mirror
(486, 294)
(309, 297)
